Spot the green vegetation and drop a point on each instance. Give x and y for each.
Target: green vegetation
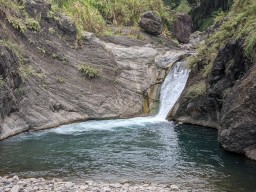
(15, 49)
(91, 15)
(10, 8)
(28, 70)
(183, 7)
(32, 24)
(17, 16)
(240, 24)
(61, 80)
(23, 24)
(88, 71)
(197, 89)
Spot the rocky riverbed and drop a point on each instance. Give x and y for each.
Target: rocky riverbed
(15, 184)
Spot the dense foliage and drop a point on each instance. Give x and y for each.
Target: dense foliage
(92, 15)
(204, 12)
(239, 23)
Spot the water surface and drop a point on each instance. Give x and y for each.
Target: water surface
(136, 150)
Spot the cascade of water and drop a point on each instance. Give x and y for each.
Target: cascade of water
(172, 88)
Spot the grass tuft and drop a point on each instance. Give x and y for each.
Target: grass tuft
(88, 71)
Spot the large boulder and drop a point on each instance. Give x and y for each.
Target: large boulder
(182, 27)
(151, 23)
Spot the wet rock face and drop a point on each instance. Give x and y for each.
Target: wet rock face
(151, 23)
(182, 27)
(232, 91)
(237, 132)
(229, 66)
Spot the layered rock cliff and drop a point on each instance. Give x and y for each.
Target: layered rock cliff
(41, 86)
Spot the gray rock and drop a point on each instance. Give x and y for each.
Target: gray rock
(89, 182)
(15, 188)
(16, 178)
(251, 152)
(174, 188)
(83, 187)
(151, 23)
(107, 189)
(69, 184)
(182, 27)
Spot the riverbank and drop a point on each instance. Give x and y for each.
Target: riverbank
(15, 184)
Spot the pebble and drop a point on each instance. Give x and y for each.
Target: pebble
(15, 188)
(174, 187)
(83, 187)
(69, 185)
(16, 184)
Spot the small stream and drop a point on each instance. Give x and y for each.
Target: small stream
(148, 149)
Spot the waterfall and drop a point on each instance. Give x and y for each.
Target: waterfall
(172, 88)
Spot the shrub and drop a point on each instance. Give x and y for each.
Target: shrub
(61, 80)
(183, 7)
(88, 71)
(197, 89)
(32, 24)
(15, 14)
(240, 23)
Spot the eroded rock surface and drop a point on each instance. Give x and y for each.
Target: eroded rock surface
(237, 132)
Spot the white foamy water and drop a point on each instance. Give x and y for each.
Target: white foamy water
(105, 125)
(172, 88)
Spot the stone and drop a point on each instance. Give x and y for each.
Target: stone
(182, 27)
(22, 183)
(174, 187)
(88, 36)
(89, 182)
(16, 177)
(83, 187)
(69, 184)
(15, 188)
(251, 153)
(151, 23)
(106, 189)
(115, 185)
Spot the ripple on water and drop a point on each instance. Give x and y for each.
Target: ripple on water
(138, 150)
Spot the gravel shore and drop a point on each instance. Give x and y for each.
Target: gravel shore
(15, 184)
